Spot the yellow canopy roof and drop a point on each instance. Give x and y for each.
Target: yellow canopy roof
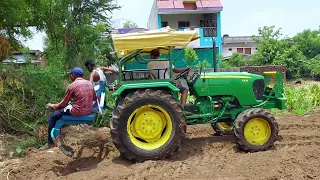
(148, 40)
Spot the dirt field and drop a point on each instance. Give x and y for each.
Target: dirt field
(202, 156)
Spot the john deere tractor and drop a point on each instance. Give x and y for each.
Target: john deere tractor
(149, 122)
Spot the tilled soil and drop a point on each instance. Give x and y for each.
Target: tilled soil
(202, 156)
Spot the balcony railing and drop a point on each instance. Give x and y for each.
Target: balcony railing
(207, 31)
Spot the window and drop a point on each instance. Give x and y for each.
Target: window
(240, 50)
(247, 50)
(164, 24)
(230, 49)
(183, 24)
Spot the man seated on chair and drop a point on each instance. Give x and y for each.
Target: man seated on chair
(181, 83)
(82, 94)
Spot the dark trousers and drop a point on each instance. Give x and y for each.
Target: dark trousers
(53, 118)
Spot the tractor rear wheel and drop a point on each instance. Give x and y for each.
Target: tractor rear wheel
(148, 124)
(255, 130)
(222, 128)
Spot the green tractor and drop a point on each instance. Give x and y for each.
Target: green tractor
(148, 121)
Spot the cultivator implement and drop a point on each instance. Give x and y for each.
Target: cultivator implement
(56, 134)
(58, 138)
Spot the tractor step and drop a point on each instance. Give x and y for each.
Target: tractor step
(190, 108)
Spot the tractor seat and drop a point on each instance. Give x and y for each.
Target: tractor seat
(79, 118)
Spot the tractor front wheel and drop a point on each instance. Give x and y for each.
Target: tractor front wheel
(148, 124)
(255, 130)
(223, 128)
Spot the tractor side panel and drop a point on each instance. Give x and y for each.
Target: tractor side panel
(135, 86)
(242, 86)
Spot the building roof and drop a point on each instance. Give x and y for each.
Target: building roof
(19, 57)
(239, 39)
(165, 6)
(128, 30)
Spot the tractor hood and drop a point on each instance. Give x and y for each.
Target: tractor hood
(247, 88)
(229, 75)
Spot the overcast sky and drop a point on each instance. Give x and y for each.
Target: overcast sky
(238, 17)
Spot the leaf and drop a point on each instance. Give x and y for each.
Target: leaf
(11, 154)
(20, 151)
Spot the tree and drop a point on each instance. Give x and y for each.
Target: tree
(308, 42)
(269, 46)
(236, 60)
(15, 18)
(293, 58)
(193, 60)
(75, 28)
(130, 24)
(273, 50)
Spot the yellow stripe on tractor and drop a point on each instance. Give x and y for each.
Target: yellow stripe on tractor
(223, 77)
(271, 73)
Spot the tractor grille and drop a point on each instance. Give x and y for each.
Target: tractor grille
(258, 89)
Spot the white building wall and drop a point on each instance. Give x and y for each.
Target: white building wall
(173, 19)
(226, 51)
(153, 17)
(229, 49)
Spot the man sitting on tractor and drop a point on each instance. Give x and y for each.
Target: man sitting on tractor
(181, 83)
(82, 94)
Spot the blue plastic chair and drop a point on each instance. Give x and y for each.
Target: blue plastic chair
(75, 120)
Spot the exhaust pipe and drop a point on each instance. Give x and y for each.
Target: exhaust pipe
(214, 55)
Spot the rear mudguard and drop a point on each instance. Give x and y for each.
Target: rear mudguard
(124, 87)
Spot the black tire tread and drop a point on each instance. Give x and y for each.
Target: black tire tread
(220, 131)
(246, 116)
(131, 98)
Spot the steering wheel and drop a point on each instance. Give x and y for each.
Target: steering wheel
(182, 74)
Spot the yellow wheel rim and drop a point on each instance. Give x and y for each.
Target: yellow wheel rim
(257, 131)
(149, 127)
(225, 126)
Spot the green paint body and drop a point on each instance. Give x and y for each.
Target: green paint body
(219, 96)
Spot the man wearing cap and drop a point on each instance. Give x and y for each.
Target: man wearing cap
(82, 94)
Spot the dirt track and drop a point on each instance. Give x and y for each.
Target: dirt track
(202, 156)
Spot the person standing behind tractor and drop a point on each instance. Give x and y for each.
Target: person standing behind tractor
(82, 94)
(97, 73)
(181, 83)
(97, 76)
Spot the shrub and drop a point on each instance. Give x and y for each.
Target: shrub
(302, 100)
(24, 93)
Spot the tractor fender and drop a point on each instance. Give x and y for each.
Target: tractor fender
(125, 87)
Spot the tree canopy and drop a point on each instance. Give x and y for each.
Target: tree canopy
(73, 27)
(130, 24)
(300, 53)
